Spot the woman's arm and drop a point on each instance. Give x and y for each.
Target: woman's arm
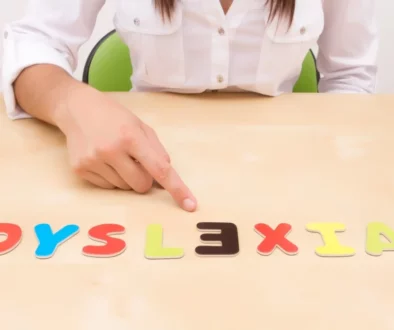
(348, 47)
(40, 54)
(44, 91)
(108, 145)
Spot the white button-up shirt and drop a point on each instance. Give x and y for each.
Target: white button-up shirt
(202, 48)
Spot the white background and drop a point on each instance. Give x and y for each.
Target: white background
(11, 10)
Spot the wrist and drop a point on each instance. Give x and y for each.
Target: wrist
(71, 100)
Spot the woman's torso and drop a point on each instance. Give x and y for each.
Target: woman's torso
(202, 48)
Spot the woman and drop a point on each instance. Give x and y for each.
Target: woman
(185, 46)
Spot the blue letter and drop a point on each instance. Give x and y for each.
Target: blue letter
(49, 241)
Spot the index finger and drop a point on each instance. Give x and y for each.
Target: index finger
(164, 173)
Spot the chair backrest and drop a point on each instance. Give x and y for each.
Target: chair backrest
(308, 80)
(109, 68)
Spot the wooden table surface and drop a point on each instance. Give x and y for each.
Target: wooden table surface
(296, 159)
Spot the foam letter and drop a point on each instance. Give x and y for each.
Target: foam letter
(154, 245)
(14, 237)
(374, 245)
(227, 237)
(48, 241)
(275, 238)
(113, 246)
(332, 247)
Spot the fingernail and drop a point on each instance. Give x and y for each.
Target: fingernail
(189, 205)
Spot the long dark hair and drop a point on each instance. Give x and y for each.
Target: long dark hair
(280, 8)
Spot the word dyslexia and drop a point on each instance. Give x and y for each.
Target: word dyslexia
(224, 233)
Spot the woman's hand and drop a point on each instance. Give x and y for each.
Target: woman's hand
(112, 148)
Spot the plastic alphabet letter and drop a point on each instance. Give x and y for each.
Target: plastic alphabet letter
(154, 245)
(101, 233)
(14, 237)
(275, 238)
(331, 247)
(227, 236)
(48, 241)
(375, 246)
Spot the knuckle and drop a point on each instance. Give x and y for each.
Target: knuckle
(125, 129)
(167, 158)
(149, 130)
(123, 186)
(105, 151)
(144, 186)
(82, 165)
(107, 186)
(128, 139)
(78, 169)
(178, 192)
(88, 161)
(163, 169)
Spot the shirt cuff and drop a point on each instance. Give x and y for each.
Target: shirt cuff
(20, 52)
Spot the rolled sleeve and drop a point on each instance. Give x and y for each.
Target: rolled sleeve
(51, 33)
(348, 47)
(20, 53)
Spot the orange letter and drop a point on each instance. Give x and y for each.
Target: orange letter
(14, 237)
(112, 248)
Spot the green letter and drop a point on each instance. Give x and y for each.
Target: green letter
(154, 245)
(374, 245)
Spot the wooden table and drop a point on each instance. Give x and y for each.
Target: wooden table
(295, 159)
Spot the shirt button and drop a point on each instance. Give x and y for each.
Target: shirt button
(136, 21)
(221, 31)
(220, 78)
(303, 30)
(5, 34)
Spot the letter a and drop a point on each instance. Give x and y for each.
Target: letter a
(375, 246)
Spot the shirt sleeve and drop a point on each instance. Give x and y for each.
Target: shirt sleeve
(348, 47)
(51, 32)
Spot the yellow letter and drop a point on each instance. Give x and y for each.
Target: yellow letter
(374, 245)
(154, 245)
(331, 247)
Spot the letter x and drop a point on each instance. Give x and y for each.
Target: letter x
(275, 238)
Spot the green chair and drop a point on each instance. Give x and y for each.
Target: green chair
(108, 68)
(308, 80)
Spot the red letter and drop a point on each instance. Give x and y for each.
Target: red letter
(275, 238)
(14, 237)
(112, 248)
